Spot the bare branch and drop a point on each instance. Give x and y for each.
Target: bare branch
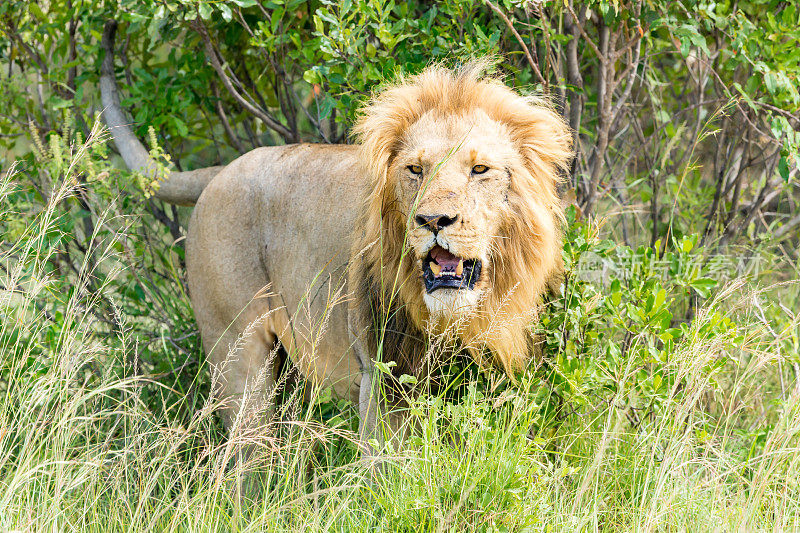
(525, 49)
(787, 227)
(265, 117)
(223, 117)
(582, 30)
(630, 71)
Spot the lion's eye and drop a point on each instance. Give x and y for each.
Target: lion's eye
(415, 169)
(479, 169)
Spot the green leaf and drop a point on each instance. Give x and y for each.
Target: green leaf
(227, 14)
(386, 368)
(312, 76)
(783, 169)
(37, 12)
(180, 125)
(616, 298)
(661, 296)
(657, 380)
(771, 82)
(406, 378)
(205, 10)
(703, 286)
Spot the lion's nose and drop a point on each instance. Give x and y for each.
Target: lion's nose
(435, 222)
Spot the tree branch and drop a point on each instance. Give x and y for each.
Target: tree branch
(525, 49)
(223, 117)
(582, 30)
(265, 117)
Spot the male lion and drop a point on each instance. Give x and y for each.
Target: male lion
(444, 217)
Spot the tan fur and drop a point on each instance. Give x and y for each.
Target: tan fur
(272, 235)
(528, 141)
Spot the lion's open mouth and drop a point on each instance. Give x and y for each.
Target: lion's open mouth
(444, 270)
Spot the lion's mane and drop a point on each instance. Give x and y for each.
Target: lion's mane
(524, 258)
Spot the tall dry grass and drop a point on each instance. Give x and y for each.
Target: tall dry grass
(82, 449)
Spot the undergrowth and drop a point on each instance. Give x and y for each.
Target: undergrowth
(667, 399)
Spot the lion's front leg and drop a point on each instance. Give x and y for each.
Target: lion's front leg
(369, 426)
(369, 394)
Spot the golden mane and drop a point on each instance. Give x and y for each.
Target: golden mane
(524, 257)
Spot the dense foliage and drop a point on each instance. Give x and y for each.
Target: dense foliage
(669, 393)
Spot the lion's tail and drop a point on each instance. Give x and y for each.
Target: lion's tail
(182, 188)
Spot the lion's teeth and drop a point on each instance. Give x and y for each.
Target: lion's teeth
(436, 269)
(460, 268)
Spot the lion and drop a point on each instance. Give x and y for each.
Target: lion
(443, 216)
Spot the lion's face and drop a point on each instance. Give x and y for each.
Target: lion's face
(452, 182)
(461, 219)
